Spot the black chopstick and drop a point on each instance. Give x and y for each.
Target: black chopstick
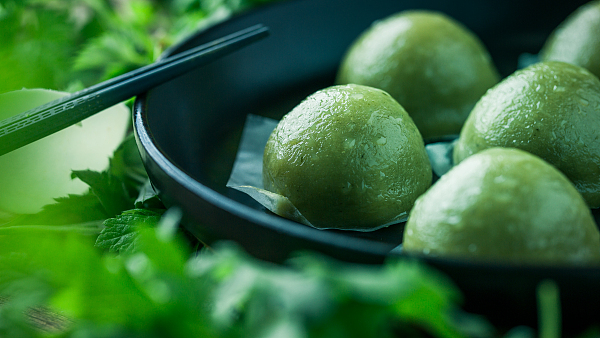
(53, 116)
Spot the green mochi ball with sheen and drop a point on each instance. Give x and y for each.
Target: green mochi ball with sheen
(504, 205)
(431, 64)
(577, 39)
(550, 109)
(348, 157)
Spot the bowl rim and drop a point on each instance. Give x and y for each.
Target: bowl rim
(575, 279)
(151, 151)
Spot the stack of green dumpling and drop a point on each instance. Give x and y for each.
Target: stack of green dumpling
(341, 171)
(527, 159)
(550, 109)
(529, 200)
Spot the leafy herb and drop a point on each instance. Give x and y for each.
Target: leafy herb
(127, 165)
(319, 297)
(148, 197)
(119, 233)
(74, 209)
(141, 294)
(109, 190)
(157, 290)
(72, 44)
(112, 192)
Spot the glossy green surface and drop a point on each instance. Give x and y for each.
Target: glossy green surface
(506, 205)
(432, 65)
(551, 109)
(348, 157)
(577, 39)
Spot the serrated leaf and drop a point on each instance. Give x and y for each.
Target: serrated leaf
(119, 233)
(110, 190)
(110, 49)
(127, 164)
(148, 198)
(73, 209)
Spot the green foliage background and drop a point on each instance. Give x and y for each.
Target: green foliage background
(71, 44)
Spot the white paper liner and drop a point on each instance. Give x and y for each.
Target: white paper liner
(246, 175)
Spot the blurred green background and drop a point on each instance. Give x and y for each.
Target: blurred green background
(71, 44)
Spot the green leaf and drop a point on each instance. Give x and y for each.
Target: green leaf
(119, 234)
(110, 190)
(142, 294)
(158, 291)
(74, 209)
(127, 165)
(148, 198)
(401, 292)
(118, 187)
(113, 52)
(129, 41)
(325, 298)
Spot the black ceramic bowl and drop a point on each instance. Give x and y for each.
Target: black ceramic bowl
(188, 131)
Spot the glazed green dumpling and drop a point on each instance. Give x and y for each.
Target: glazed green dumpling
(504, 205)
(577, 39)
(347, 157)
(550, 109)
(431, 64)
